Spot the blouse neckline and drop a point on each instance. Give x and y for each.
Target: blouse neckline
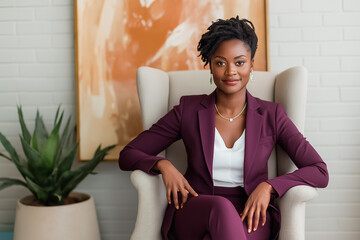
(219, 141)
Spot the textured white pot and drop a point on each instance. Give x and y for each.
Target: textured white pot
(76, 221)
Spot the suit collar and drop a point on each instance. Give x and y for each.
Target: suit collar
(252, 103)
(207, 129)
(209, 100)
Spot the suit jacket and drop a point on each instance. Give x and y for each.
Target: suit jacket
(193, 120)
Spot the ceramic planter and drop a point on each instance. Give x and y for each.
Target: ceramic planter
(77, 221)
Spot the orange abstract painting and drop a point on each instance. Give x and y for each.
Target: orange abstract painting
(115, 37)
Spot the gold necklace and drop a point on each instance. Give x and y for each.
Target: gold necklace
(233, 118)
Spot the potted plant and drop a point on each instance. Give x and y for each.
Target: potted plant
(53, 210)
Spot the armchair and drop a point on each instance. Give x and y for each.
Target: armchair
(159, 91)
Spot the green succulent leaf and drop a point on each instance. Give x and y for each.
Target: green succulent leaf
(25, 131)
(4, 156)
(64, 178)
(98, 156)
(35, 163)
(73, 178)
(32, 155)
(56, 115)
(49, 152)
(65, 164)
(34, 142)
(38, 191)
(58, 197)
(9, 148)
(69, 143)
(58, 121)
(40, 132)
(74, 182)
(15, 158)
(8, 182)
(63, 143)
(25, 172)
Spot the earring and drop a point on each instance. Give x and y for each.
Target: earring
(251, 76)
(211, 78)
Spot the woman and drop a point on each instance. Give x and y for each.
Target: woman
(228, 135)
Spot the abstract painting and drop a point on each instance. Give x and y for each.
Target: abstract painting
(115, 37)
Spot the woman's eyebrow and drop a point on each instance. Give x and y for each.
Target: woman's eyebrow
(220, 57)
(240, 56)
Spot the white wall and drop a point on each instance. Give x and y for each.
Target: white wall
(37, 70)
(324, 36)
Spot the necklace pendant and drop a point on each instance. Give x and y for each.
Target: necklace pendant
(231, 119)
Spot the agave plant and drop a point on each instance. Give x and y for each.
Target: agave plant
(46, 168)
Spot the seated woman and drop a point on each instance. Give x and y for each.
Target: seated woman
(225, 193)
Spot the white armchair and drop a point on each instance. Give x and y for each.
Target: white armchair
(159, 91)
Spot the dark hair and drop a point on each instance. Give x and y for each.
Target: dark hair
(223, 30)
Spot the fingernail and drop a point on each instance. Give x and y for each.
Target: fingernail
(254, 229)
(249, 230)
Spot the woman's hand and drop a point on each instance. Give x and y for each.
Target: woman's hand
(174, 182)
(256, 205)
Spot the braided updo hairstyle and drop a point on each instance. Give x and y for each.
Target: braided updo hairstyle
(223, 30)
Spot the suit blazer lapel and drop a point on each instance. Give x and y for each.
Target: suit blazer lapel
(252, 134)
(207, 129)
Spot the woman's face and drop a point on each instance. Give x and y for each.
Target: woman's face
(231, 64)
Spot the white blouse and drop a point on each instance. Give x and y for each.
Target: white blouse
(228, 163)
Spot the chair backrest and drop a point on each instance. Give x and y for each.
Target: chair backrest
(159, 91)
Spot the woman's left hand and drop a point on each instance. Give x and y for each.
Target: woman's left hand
(256, 205)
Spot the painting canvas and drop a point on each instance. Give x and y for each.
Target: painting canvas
(115, 37)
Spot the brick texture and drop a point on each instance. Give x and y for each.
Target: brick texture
(328, 45)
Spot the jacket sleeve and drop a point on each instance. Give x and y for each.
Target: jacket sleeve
(141, 152)
(311, 170)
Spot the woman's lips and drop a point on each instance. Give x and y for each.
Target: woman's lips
(231, 81)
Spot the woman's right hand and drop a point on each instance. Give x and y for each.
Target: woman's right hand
(174, 182)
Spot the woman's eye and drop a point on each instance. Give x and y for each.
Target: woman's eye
(239, 63)
(220, 63)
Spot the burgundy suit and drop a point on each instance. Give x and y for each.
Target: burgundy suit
(193, 121)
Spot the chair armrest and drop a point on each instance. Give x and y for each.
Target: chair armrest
(301, 193)
(292, 208)
(151, 205)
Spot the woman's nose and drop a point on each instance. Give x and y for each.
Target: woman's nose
(231, 69)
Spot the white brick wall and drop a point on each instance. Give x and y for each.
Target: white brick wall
(37, 70)
(324, 36)
(321, 5)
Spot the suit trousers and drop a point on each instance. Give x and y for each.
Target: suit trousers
(217, 217)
